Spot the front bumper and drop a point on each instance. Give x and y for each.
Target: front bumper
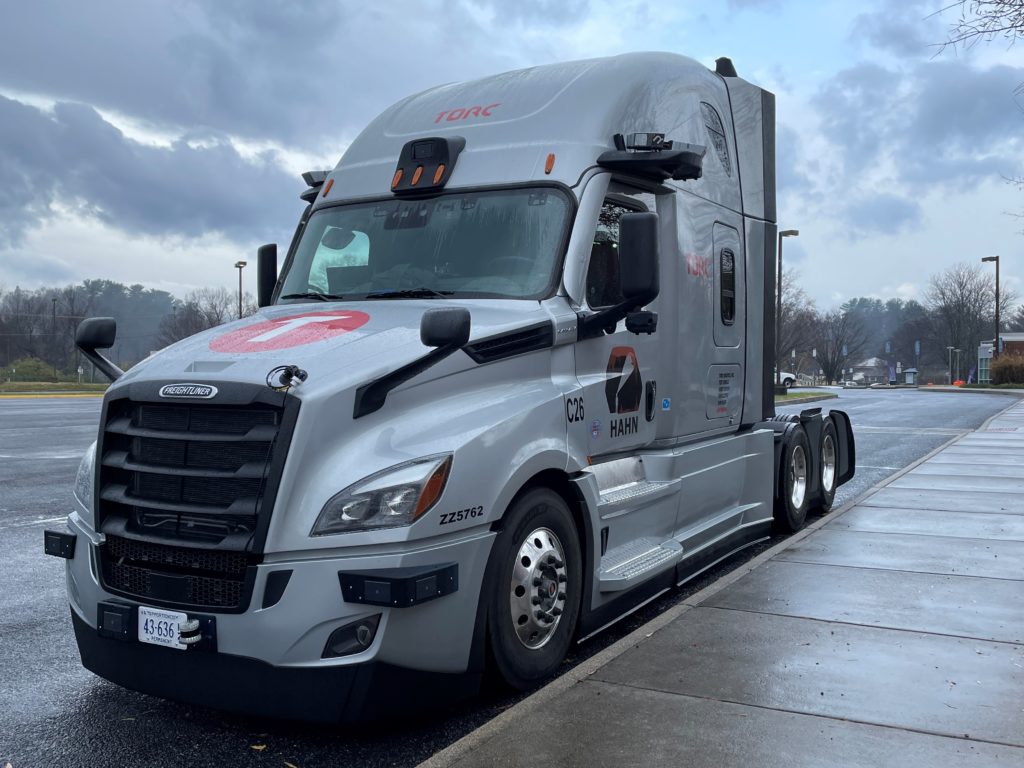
(269, 660)
(339, 694)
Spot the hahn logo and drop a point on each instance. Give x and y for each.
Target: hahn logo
(289, 331)
(202, 391)
(623, 387)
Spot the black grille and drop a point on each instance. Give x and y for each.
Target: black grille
(509, 344)
(185, 491)
(188, 471)
(165, 574)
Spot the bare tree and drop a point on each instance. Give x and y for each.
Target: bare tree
(839, 338)
(962, 304)
(201, 309)
(983, 21)
(798, 319)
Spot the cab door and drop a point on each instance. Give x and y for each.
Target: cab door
(618, 371)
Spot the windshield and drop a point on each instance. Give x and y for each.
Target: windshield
(503, 243)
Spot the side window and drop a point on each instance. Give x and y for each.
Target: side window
(727, 286)
(716, 133)
(604, 288)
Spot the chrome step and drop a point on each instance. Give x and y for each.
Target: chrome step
(629, 564)
(632, 495)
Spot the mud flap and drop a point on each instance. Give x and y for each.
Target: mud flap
(847, 459)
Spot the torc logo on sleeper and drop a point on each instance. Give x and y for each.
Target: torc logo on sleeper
(290, 331)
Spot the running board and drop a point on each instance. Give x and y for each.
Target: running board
(630, 564)
(624, 498)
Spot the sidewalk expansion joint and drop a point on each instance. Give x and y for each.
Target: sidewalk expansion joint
(902, 570)
(890, 726)
(885, 627)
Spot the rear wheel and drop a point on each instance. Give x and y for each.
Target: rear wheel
(829, 468)
(536, 596)
(791, 503)
(788, 383)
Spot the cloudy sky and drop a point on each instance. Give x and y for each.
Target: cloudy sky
(158, 142)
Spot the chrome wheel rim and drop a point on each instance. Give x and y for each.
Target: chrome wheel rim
(798, 476)
(538, 586)
(828, 464)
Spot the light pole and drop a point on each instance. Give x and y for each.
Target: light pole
(778, 304)
(958, 351)
(53, 330)
(949, 365)
(995, 347)
(240, 265)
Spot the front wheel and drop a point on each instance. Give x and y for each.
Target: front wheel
(536, 595)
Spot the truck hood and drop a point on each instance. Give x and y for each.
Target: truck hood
(339, 344)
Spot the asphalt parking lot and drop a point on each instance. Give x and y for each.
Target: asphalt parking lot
(56, 713)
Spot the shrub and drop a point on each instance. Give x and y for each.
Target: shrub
(1008, 369)
(28, 369)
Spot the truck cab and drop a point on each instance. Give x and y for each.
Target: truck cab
(512, 380)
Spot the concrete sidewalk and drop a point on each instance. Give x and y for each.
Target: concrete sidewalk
(890, 633)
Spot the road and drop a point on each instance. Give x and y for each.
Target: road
(57, 714)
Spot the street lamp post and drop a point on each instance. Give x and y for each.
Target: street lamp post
(778, 305)
(958, 351)
(995, 347)
(240, 265)
(949, 364)
(53, 330)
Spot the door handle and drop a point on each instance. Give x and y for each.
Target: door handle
(651, 391)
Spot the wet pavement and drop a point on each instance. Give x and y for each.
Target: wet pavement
(55, 713)
(889, 634)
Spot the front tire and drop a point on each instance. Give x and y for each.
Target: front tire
(792, 501)
(788, 383)
(535, 598)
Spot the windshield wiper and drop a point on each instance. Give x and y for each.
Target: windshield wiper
(410, 293)
(313, 295)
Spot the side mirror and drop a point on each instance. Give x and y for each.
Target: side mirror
(266, 273)
(639, 257)
(445, 327)
(98, 333)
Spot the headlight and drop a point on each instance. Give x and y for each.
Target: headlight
(84, 480)
(394, 497)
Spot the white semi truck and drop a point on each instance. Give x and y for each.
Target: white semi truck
(513, 380)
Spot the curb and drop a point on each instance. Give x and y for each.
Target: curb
(459, 749)
(45, 395)
(808, 399)
(1018, 393)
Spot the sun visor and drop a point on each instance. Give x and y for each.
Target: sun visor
(425, 165)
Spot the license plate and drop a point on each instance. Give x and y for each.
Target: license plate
(161, 627)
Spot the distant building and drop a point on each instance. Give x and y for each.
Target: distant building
(874, 370)
(1011, 343)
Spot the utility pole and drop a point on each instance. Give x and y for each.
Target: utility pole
(778, 306)
(240, 265)
(53, 331)
(995, 346)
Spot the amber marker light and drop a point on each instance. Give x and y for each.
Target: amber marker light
(327, 187)
(397, 178)
(549, 163)
(416, 175)
(432, 488)
(439, 173)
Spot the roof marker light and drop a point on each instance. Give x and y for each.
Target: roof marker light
(397, 178)
(416, 175)
(438, 174)
(327, 187)
(550, 163)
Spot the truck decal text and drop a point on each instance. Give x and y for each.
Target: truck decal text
(454, 115)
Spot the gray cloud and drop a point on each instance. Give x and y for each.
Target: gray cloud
(884, 213)
(75, 157)
(938, 122)
(295, 72)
